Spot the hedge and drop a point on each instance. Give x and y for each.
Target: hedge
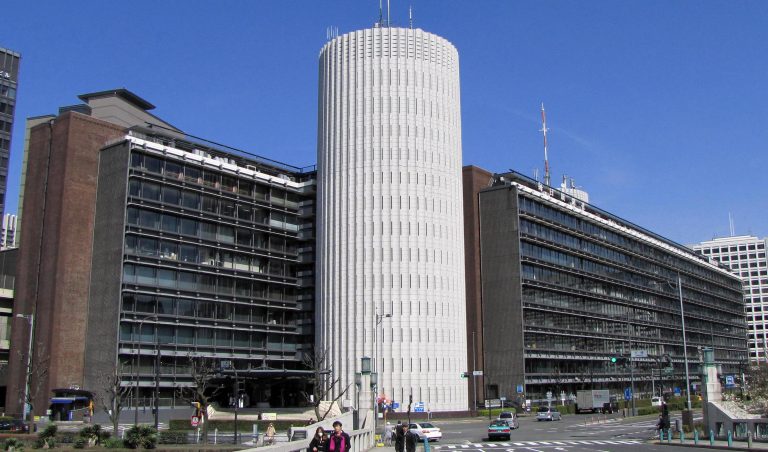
(229, 425)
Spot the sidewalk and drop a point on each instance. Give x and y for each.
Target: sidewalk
(704, 444)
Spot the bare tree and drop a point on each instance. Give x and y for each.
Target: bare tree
(203, 389)
(324, 382)
(112, 394)
(36, 376)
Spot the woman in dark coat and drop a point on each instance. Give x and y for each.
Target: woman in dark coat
(319, 441)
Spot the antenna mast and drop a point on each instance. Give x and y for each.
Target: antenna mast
(546, 157)
(730, 223)
(388, 23)
(410, 17)
(381, 14)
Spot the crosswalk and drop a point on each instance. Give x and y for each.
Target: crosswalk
(565, 442)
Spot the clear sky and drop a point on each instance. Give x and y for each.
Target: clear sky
(658, 108)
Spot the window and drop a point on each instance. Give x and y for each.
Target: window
(171, 196)
(153, 164)
(169, 223)
(191, 200)
(150, 191)
(210, 205)
(186, 308)
(172, 170)
(189, 227)
(185, 335)
(187, 281)
(192, 174)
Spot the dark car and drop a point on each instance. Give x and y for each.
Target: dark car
(14, 425)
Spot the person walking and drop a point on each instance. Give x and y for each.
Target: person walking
(411, 439)
(399, 437)
(339, 440)
(319, 442)
(388, 434)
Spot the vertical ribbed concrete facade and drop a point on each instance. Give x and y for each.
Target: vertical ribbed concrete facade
(390, 232)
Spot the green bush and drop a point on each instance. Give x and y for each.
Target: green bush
(80, 443)
(173, 437)
(13, 444)
(565, 409)
(49, 432)
(140, 436)
(94, 433)
(113, 443)
(66, 437)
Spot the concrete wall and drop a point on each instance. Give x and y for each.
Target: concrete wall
(474, 179)
(106, 276)
(501, 286)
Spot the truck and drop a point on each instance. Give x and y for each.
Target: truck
(593, 401)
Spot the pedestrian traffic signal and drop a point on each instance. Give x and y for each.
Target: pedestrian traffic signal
(614, 360)
(465, 375)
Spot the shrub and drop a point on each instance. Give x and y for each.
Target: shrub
(80, 443)
(49, 432)
(113, 443)
(94, 433)
(173, 437)
(140, 436)
(66, 437)
(13, 444)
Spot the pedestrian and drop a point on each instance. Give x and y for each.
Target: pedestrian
(388, 434)
(411, 439)
(339, 440)
(399, 437)
(319, 442)
(269, 435)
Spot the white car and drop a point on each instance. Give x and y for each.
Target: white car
(656, 401)
(426, 430)
(548, 414)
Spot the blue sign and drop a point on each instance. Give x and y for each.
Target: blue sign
(678, 392)
(519, 389)
(395, 405)
(418, 407)
(729, 381)
(627, 394)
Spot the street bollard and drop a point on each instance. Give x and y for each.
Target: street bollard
(696, 437)
(215, 435)
(661, 435)
(749, 440)
(426, 444)
(682, 436)
(669, 435)
(255, 435)
(711, 438)
(730, 439)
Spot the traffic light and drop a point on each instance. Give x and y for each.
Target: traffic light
(614, 360)
(465, 375)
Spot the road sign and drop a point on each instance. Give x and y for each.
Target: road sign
(519, 389)
(639, 354)
(395, 405)
(503, 399)
(418, 407)
(477, 373)
(668, 370)
(730, 381)
(195, 421)
(678, 392)
(627, 393)
(549, 395)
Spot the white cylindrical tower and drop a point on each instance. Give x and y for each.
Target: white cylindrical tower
(390, 277)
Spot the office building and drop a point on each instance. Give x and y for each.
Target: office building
(8, 232)
(745, 256)
(216, 251)
(7, 283)
(55, 246)
(567, 286)
(390, 255)
(9, 82)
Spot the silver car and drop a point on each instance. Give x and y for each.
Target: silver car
(510, 418)
(548, 414)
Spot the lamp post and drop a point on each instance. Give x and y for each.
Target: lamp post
(31, 319)
(685, 342)
(136, 372)
(374, 380)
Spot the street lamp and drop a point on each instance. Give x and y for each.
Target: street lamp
(685, 342)
(31, 319)
(374, 379)
(136, 373)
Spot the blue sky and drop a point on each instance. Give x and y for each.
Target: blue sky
(658, 108)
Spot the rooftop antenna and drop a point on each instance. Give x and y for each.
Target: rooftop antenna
(410, 17)
(730, 223)
(381, 14)
(388, 23)
(546, 157)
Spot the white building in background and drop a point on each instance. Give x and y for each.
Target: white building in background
(746, 255)
(8, 235)
(390, 215)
